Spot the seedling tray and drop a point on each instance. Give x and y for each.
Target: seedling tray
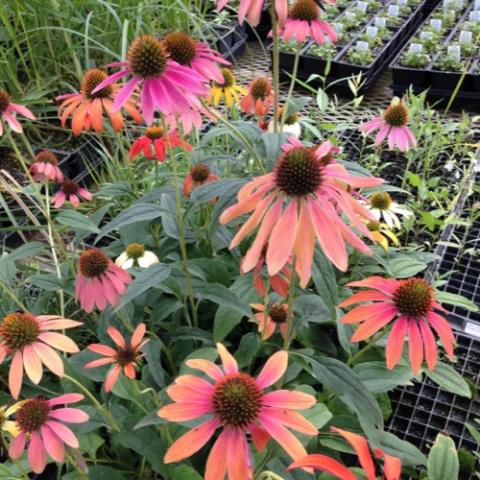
(228, 40)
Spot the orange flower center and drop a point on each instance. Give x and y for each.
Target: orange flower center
(154, 132)
(147, 57)
(126, 356)
(91, 79)
(306, 10)
(278, 313)
(260, 88)
(181, 47)
(237, 400)
(135, 250)
(298, 172)
(46, 156)
(93, 263)
(381, 200)
(200, 172)
(19, 329)
(32, 415)
(4, 101)
(413, 298)
(228, 78)
(69, 187)
(396, 115)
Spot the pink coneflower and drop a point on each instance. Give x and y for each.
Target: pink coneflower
(46, 167)
(259, 98)
(392, 466)
(165, 85)
(268, 319)
(124, 357)
(28, 340)
(8, 110)
(237, 403)
(303, 198)
(87, 109)
(410, 305)
(393, 126)
(184, 50)
(99, 281)
(71, 191)
(155, 144)
(199, 175)
(252, 10)
(304, 21)
(43, 426)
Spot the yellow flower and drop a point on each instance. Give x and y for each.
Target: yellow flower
(229, 92)
(6, 425)
(382, 234)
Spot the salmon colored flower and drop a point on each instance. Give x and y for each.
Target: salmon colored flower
(124, 357)
(71, 191)
(87, 108)
(155, 143)
(302, 199)
(304, 21)
(252, 10)
(165, 85)
(199, 175)
(46, 167)
(238, 404)
(275, 315)
(409, 305)
(28, 340)
(259, 99)
(392, 466)
(393, 126)
(43, 427)
(99, 281)
(8, 109)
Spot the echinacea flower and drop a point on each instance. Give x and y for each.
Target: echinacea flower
(43, 427)
(382, 205)
(165, 85)
(87, 109)
(268, 319)
(228, 91)
(393, 126)
(302, 199)
(304, 21)
(184, 50)
(392, 466)
(7, 425)
(28, 340)
(252, 10)
(124, 357)
(71, 191)
(199, 175)
(409, 305)
(237, 403)
(46, 167)
(259, 99)
(381, 234)
(8, 109)
(291, 124)
(155, 143)
(136, 255)
(99, 281)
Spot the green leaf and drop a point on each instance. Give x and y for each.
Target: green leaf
(77, 221)
(115, 189)
(215, 292)
(212, 190)
(49, 282)
(184, 472)
(319, 415)
(312, 308)
(408, 453)
(103, 473)
(443, 459)
(322, 100)
(151, 419)
(378, 379)
(28, 250)
(473, 432)
(403, 266)
(447, 377)
(457, 300)
(152, 351)
(151, 277)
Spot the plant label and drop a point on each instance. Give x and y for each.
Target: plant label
(362, 6)
(426, 35)
(436, 24)
(475, 16)
(362, 46)
(452, 3)
(338, 27)
(415, 48)
(380, 22)
(402, 2)
(476, 5)
(454, 51)
(371, 32)
(350, 14)
(465, 37)
(394, 10)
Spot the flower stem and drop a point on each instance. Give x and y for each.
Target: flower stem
(289, 335)
(292, 85)
(353, 359)
(275, 65)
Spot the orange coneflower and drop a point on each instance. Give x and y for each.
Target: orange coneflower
(199, 174)
(259, 99)
(270, 317)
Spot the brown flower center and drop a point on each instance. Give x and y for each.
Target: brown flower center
(396, 115)
(46, 156)
(135, 250)
(4, 101)
(126, 356)
(260, 88)
(413, 298)
(181, 47)
(147, 57)
(373, 226)
(237, 400)
(93, 263)
(91, 79)
(19, 329)
(381, 200)
(278, 313)
(228, 78)
(200, 172)
(154, 132)
(306, 10)
(298, 172)
(289, 119)
(33, 414)
(69, 187)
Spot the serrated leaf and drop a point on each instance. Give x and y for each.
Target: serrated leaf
(449, 379)
(443, 459)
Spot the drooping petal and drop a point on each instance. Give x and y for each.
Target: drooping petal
(53, 445)
(324, 464)
(415, 347)
(63, 433)
(216, 467)
(37, 456)
(15, 375)
(396, 339)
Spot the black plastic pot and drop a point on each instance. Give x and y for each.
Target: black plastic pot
(406, 76)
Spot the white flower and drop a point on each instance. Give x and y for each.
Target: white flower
(382, 206)
(294, 128)
(135, 254)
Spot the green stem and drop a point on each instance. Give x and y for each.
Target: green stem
(291, 293)
(296, 61)
(352, 360)
(275, 66)
(82, 474)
